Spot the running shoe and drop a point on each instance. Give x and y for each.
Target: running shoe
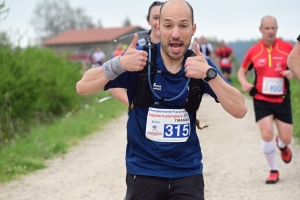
(273, 177)
(286, 153)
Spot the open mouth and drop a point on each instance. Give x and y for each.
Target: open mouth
(175, 47)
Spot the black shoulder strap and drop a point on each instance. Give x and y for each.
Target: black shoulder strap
(143, 95)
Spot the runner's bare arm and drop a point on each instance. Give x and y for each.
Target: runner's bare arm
(229, 97)
(294, 60)
(120, 94)
(92, 81)
(246, 86)
(95, 79)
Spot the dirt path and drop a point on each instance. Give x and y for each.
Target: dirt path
(234, 167)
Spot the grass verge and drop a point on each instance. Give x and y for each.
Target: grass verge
(25, 155)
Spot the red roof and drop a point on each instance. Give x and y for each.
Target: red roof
(90, 35)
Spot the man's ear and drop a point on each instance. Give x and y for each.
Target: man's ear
(260, 29)
(194, 28)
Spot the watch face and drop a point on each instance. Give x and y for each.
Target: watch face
(211, 73)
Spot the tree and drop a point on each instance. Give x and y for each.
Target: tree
(52, 17)
(4, 39)
(126, 22)
(3, 11)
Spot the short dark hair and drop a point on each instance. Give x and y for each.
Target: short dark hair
(155, 3)
(191, 8)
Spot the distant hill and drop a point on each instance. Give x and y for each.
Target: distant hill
(240, 48)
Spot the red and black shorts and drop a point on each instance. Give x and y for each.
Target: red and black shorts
(281, 111)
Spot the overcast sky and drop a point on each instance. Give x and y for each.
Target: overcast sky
(223, 19)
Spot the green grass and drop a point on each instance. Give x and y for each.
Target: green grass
(27, 154)
(295, 98)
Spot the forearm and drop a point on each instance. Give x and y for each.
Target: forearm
(294, 61)
(119, 94)
(92, 81)
(241, 74)
(229, 97)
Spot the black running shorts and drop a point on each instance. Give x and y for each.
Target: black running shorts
(281, 111)
(226, 70)
(156, 188)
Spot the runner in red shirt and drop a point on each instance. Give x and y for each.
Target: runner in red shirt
(225, 54)
(271, 92)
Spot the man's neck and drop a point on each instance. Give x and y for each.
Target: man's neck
(268, 42)
(172, 65)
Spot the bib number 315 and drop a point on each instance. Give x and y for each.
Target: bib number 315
(176, 130)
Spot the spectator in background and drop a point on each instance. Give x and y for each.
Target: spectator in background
(294, 60)
(98, 58)
(225, 54)
(119, 50)
(205, 48)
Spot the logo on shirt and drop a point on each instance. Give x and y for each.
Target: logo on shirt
(277, 57)
(156, 87)
(278, 67)
(261, 62)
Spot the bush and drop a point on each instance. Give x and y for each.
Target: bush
(36, 85)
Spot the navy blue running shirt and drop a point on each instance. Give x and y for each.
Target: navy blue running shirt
(160, 159)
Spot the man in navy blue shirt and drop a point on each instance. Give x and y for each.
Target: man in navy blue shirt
(163, 154)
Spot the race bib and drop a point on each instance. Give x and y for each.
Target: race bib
(168, 125)
(272, 86)
(225, 61)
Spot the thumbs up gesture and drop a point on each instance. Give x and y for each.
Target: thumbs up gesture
(197, 66)
(133, 59)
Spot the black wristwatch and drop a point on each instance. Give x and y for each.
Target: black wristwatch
(210, 74)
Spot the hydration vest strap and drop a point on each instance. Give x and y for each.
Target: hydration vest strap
(143, 96)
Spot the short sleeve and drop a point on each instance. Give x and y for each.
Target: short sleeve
(247, 60)
(229, 49)
(218, 51)
(298, 38)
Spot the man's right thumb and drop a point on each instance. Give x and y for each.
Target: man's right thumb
(134, 41)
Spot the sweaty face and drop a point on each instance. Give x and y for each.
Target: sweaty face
(269, 30)
(154, 18)
(176, 29)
